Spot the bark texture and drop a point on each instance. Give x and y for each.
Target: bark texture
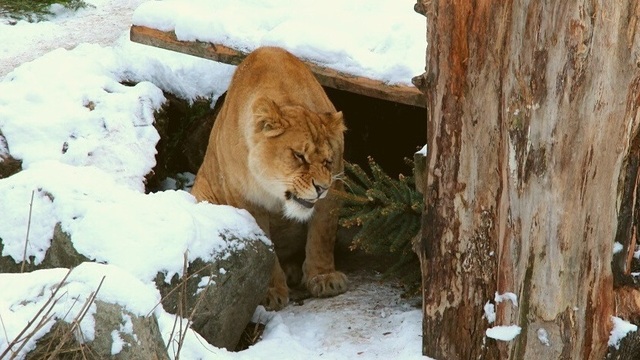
(532, 126)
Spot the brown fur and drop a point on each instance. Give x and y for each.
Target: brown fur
(275, 149)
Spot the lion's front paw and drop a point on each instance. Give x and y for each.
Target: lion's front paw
(277, 298)
(324, 285)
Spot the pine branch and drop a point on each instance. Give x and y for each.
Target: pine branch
(358, 175)
(388, 212)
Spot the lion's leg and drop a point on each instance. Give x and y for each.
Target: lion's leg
(319, 273)
(278, 292)
(289, 238)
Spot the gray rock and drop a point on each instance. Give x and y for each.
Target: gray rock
(142, 343)
(60, 254)
(8, 164)
(139, 337)
(221, 309)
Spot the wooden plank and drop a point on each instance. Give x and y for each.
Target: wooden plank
(403, 94)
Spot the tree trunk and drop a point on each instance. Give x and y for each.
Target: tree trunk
(532, 164)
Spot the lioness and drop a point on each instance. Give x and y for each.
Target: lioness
(275, 150)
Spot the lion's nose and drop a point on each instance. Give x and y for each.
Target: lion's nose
(319, 189)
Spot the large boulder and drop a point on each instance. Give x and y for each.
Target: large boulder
(119, 334)
(220, 297)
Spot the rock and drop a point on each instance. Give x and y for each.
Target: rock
(184, 130)
(225, 301)
(138, 338)
(223, 306)
(8, 164)
(60, 254)
(140, 335)
(197, 137)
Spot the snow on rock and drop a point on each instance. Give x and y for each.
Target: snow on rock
(87, 141)
(30, 292)
(620, 329)
(391, 49)
(83, 116)
(87, 203)
(504, 333)
(118, 343)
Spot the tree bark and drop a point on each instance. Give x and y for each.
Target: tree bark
(532, 130)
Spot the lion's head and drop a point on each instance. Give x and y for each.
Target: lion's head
(294, 155)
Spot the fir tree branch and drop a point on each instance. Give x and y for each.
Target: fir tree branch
(388, 212)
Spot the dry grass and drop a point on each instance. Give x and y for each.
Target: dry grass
(250, 336)
(184, 318)
(26, 240)
(61, 342)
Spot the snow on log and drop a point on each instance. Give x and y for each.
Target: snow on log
(327, 77)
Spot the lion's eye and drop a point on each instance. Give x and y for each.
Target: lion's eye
(299, 156)
(327, 163)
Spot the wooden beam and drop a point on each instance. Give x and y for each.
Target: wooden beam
(404, 94)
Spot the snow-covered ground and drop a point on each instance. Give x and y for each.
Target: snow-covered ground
(102, 25)
(86, 141)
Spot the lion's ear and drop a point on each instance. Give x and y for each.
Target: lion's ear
(267, 117)
(336, 122)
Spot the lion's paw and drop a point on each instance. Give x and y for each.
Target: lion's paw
(325, 285)
(277, 298)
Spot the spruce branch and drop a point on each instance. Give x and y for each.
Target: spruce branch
(388, 212)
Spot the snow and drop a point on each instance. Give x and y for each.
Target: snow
(118, 343)
(543, 336)
(126, 327)
(617, 247)
(503, 332)
(620, 329)
(31, 291)
(86, 140)
(379, 39)
(498, 298)
(87, 202)
(490, 309)
(490, 312)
